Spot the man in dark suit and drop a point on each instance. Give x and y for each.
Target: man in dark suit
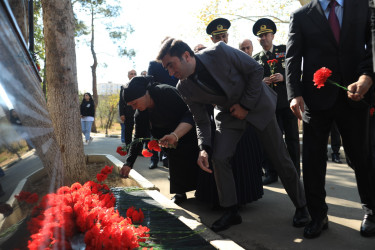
(274, 77)
(126, 115)
(334, 35)
(235, 86)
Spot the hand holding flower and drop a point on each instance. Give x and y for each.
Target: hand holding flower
(358, 89)
(277, 77)
(267, 81)
(125, 170)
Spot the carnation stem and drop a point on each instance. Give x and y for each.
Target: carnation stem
(338, 85)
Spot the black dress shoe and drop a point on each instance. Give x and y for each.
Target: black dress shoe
(179, 198)
(228, 219)
(301, 217)
(368, 226)
(166, 163)
(336, 158)
(270, 179)
(153, 165)
(315, 227)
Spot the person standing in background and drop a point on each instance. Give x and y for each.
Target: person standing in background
(274, 77)
(87, 116)
(246, 46)
(126, 115)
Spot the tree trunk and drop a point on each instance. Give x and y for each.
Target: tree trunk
(62, 91)
(20, 12)
(44, 83)
(93, 68)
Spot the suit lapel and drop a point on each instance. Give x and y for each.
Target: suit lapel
(316, 13)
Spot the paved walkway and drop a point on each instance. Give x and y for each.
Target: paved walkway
(267, 223)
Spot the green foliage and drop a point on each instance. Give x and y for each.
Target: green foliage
(107, 110)
(106, 11)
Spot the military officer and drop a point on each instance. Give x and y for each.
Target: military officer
(218, 30)
(272, 58)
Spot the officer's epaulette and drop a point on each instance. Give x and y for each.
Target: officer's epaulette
(257, 55)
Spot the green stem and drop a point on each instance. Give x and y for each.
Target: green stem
(344, 88)
(338, 85)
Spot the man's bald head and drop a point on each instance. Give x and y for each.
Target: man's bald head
(246, 46)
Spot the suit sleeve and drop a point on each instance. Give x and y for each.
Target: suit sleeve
(200, 116)
(253, 73)
(366, 66)
(293, 59)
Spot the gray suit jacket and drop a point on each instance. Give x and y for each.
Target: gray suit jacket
(240, 77)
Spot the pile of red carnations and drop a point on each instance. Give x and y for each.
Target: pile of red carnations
(87, 209)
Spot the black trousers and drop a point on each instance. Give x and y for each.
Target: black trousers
(353, 125)
(288, 124)
(335, 139)
(129, 126)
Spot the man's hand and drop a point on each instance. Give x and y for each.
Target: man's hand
(359, 88)
(239, 112)
(122, 118)
(297, 105)
(267, 81)
(277, 77)
(124, 172)
(203, 161)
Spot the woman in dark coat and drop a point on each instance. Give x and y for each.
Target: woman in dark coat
(171, 122)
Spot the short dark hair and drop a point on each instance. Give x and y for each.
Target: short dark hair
(173, 47)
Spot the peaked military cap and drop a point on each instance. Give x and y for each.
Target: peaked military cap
(264, 25)
(218, 26)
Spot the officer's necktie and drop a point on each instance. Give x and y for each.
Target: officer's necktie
(334, 21)
(269, 55)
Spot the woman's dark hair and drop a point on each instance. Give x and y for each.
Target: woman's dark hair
(90, 100)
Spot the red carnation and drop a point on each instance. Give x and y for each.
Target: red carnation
(321, 76)
(154, 145)
(33, 198)
(120, 151)
(101, 177)
(106, 170)
(372, 111)
(146, 153)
